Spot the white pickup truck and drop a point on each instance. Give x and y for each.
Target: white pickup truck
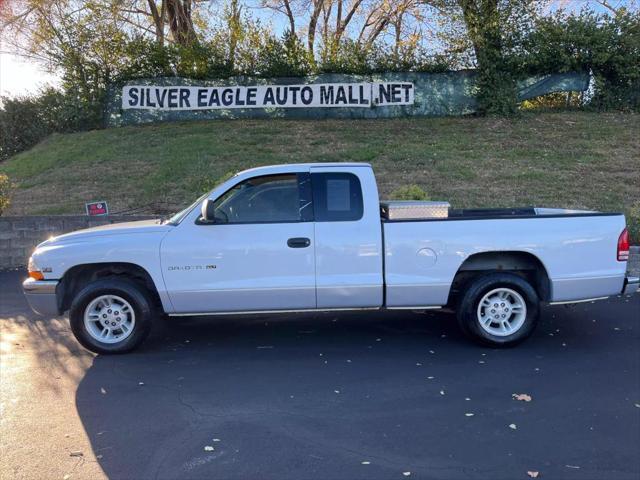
(309, 237)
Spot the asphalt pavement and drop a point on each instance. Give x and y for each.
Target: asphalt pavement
(322, 396)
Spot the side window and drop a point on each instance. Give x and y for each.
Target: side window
(270, 199)
(337, 197)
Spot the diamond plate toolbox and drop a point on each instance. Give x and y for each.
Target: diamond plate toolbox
(413, 210)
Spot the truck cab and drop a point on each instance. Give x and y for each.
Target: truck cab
(293, 237)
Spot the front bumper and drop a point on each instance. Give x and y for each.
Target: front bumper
(631, 285)
(41, 295)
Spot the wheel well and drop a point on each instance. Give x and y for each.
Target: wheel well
(524, 264)
(79, 276)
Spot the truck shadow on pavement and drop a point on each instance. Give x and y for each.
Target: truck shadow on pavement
(249, 387)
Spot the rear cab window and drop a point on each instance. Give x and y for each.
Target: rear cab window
(337, 197)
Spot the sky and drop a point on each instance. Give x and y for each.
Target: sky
(19, 76)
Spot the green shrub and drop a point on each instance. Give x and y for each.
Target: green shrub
(606, 46)
(286, 57)
(24, 121)
(409, 192)
(5, 192)
(633, 223)
(554, 101)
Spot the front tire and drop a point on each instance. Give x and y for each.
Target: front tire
(111, 315)
(499, 310)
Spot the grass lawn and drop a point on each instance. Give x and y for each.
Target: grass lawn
(575, 159)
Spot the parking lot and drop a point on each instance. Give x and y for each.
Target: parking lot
(326, 396)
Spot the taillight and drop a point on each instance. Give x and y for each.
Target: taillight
(623, 246)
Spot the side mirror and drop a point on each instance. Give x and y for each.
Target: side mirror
(208, 211)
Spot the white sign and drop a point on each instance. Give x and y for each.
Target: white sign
(316, 95)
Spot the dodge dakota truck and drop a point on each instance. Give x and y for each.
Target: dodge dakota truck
(315, 237)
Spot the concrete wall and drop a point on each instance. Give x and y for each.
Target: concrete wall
(20, 235)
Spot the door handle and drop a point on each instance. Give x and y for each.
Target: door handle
(299, 242)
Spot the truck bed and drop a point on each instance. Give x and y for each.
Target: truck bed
(497, 213)
(423, 256)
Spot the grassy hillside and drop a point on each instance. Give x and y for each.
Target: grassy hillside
(580, 160)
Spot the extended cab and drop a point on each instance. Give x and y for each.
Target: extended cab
(316, 237)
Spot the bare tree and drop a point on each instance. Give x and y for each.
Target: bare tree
(174, 17)
(365, 21)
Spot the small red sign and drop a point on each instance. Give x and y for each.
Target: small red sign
(95, 209)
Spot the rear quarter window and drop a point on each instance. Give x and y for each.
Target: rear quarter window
(337, 197)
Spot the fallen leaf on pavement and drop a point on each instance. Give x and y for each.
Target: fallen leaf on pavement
(522, 397)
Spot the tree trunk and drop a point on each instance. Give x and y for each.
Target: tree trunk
(158, 20)
(290, 16)
(313, 24)
(234, 32)
(496, 85)
(180, 21)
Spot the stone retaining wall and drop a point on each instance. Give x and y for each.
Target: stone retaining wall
(20, 235)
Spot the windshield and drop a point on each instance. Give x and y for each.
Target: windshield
(177, 218)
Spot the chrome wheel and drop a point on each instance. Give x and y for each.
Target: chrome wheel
(502, 312)
(109, 319)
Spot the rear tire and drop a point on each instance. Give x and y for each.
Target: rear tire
(112, 315)
(499, 309)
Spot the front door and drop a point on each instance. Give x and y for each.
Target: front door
(257, 255)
